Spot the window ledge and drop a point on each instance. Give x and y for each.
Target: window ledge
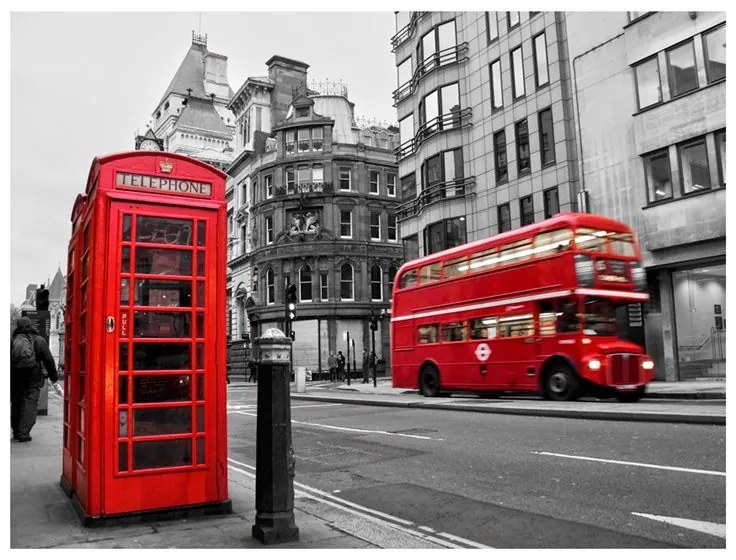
(681, 96)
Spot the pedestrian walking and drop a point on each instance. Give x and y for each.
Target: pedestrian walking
(253, 371)
(366, 366)
(332, 364)
(28, 351)
(340, 365)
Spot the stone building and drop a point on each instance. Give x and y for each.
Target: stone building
(507, 118)
(312, 200)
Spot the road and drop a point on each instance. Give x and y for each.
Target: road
(506, 481)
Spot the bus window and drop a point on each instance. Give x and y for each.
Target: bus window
(547, 318)
(590, 240)
(455, 267)
(409, 278)
(622, 244)
(430, 273)
(483, 328)
(516, 325)
(567, 319)
(552, 242)
(427, 334)
(515, 252)
(483, 260)
(600, 317)
(454, 332)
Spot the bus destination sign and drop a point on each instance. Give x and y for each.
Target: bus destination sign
(167, 185)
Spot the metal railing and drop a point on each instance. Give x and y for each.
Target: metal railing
(450, 55)
(449, 121)
(405, 32)
(442, 191)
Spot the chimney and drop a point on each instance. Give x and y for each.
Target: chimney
(288, 75)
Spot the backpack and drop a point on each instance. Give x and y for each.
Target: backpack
(23, 354)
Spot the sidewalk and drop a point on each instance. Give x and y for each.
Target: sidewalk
(41, 516)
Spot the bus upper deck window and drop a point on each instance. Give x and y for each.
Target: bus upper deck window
(622, 244)
(552, 242)
(591, 240)
(430, 272)
(409, 278)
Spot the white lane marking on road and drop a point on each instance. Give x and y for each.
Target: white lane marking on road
(630, 463)
(715, 529)
(315, 405)
(343, 429)
(372, 514)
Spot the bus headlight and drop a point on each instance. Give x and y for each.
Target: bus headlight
(647, 364)
(594, 364)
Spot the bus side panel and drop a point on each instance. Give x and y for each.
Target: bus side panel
(404, 365)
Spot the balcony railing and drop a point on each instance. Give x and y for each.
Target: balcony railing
(449, 121)
(405, 32)
(304, 188)
(447, 56)
(441, 191)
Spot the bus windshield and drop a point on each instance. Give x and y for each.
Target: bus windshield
(601, 241)
(599, 317)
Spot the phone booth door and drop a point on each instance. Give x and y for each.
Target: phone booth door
(161, 391)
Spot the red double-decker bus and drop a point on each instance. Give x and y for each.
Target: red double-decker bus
(530, 310)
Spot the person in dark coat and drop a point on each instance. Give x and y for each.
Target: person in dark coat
(340, 366)
(366, 366)
(26, 381)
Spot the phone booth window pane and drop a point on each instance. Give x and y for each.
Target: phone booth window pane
(122, 456)
(151, 324)
(151, 229)
(159, 454)
(200, 356)
(80, 449)
(123, 423)
(200, 263)
(163, 293)
(123, 389)
(200, 451)
(200, 325)
(161, 388)
(200, 419)
(126, 228)
(163, 261)
(162, 356)
(200, 387)
(125, 261)
(162, 421)
(124, 292)
(201, 233)
(200, 294)
(123, 357)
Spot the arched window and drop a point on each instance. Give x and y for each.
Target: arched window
(270, 287)
(392, 270)
(346, 282)
(376, 283)
(305, 283)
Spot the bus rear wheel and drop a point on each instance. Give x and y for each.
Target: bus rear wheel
(561, 384)
(429, 381)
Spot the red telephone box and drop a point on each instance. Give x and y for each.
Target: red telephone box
(145, 386)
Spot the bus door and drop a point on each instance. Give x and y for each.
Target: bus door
(515, 347)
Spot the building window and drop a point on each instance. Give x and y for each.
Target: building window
(317, 140)
(373, 182)
(323, 287)
(445, 170)
(721, 153)
(411, 247)
(375, 223)
(658, 175)
(318, 173)
(546, 137)
(694, 166)
(344, 178)
(522, 148)
(541, 69)
(409, 187)
(439, 40)
(290, 141)
(526, 207)
(303, 174)
(268, 183)
(513, 19)
(648, 88)
(517, 71)
(376, 283)
(302, 112)
(714, 52)
(244, 193)
(403, 71)
(305, 283)
(269, 229)
(491, 26)
(406, 131)
(496, 86)
(346, 282)
(303, 140)
(392, 270)
(445, 234)
(440, 109)
(346, 223)
(683, 74)
(390, 184)
(551, 202)
(270, 287)
(499, 145)
(392, 235)
(504, 217)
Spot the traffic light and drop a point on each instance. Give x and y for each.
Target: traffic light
(374, 323)
(291, 302)
(42, 299)
(293, 335)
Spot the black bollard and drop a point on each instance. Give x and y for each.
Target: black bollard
(274, 453)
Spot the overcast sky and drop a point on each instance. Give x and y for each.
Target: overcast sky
(83, 83)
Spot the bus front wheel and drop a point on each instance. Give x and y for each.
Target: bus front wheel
(429, 381)
(561, 384)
